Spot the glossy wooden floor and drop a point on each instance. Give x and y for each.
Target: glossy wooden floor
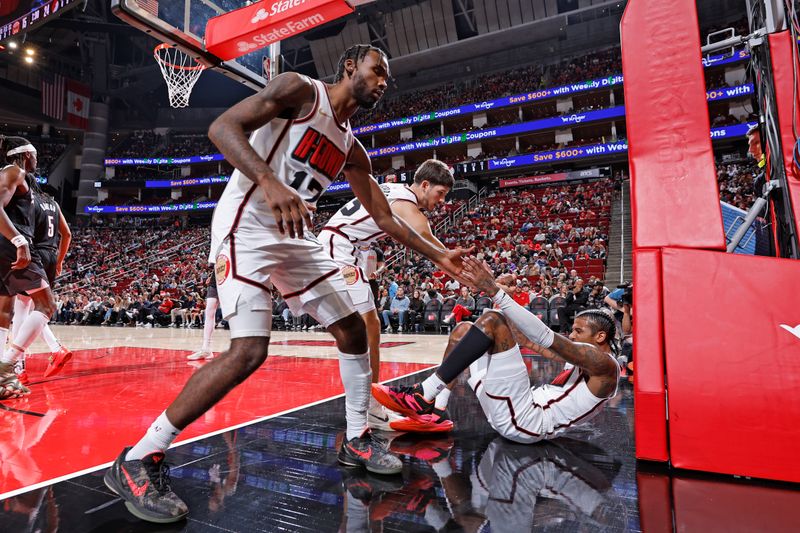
(264, 459)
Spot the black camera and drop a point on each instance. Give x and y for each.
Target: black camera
(627, 296)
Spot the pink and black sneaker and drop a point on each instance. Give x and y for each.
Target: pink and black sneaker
(409, 401)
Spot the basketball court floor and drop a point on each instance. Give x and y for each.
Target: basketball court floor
(264, 459)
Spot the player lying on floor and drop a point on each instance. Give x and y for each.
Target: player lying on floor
(490, 348)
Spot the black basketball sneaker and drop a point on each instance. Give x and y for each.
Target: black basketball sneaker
(366, 451)
(144, 485)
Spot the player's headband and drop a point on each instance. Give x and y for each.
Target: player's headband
(21, 149)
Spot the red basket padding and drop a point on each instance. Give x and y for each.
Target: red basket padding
(674, 195)
(733, 372)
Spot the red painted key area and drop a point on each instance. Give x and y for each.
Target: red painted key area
(105, 399)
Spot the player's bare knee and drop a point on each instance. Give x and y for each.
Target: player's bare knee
(247, 354)
(6, 308)
(460, 330)
(350, 334)
(44, 303)
(491, 322)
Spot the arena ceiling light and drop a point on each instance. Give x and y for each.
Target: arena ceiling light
(12, 45)
(30, 51)
(29, 60)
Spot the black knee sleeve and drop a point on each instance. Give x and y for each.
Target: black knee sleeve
(469, 349)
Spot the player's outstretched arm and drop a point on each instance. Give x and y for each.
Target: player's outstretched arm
(358, 171)
(10, 179)
(411, 215)
(287, 95)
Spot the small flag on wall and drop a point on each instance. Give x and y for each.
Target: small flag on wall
(53, 90)
(78, 97)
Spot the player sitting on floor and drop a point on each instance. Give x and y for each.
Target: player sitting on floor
(499, 377)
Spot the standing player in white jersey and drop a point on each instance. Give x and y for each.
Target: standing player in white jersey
(301, 141)
(498, 374)
(352, 226)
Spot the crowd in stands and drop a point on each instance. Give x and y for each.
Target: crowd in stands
(495, 85)
(736, 183)
(140, 143)
(547, 236)
(148, 143)
(47, 152)
(132, 273)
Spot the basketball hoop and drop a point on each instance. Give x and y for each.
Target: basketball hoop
(180, 72)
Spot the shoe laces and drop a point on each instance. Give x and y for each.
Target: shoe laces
(410, 390)
(159, 475)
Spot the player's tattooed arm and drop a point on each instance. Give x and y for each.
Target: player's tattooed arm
(358, 171)
(583, 355)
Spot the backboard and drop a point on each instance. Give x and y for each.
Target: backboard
(183, 24)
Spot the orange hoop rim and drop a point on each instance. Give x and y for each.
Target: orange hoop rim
(165, 46)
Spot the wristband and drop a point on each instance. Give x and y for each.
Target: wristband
(19, 241)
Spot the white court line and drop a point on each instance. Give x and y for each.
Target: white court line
(67, 477)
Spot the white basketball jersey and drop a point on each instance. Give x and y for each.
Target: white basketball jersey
(354, 222)
(307, 153)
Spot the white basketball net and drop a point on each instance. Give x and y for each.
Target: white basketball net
(180, 72)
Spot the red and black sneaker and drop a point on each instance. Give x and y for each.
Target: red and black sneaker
(144, 486)
(409, 401)
(367, 452)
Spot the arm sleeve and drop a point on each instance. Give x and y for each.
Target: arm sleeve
(526, 322)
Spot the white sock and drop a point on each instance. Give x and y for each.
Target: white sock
(433, 386)
(22, 308)
(442, 399)
(11, 354)
(208, 329)
(50, 338)
(3, 338)
(373, 403)
(357, 380)
(157, 439)
(30, 329)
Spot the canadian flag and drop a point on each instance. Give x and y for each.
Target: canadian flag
(78, 96)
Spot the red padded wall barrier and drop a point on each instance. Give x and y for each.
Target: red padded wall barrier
(649, 394)
(733, 365)
(674, 196)
(780, 48)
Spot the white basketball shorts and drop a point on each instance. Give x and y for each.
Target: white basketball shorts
(251, 258)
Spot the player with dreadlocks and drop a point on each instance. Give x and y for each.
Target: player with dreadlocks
(20, 271)
(490, 348)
